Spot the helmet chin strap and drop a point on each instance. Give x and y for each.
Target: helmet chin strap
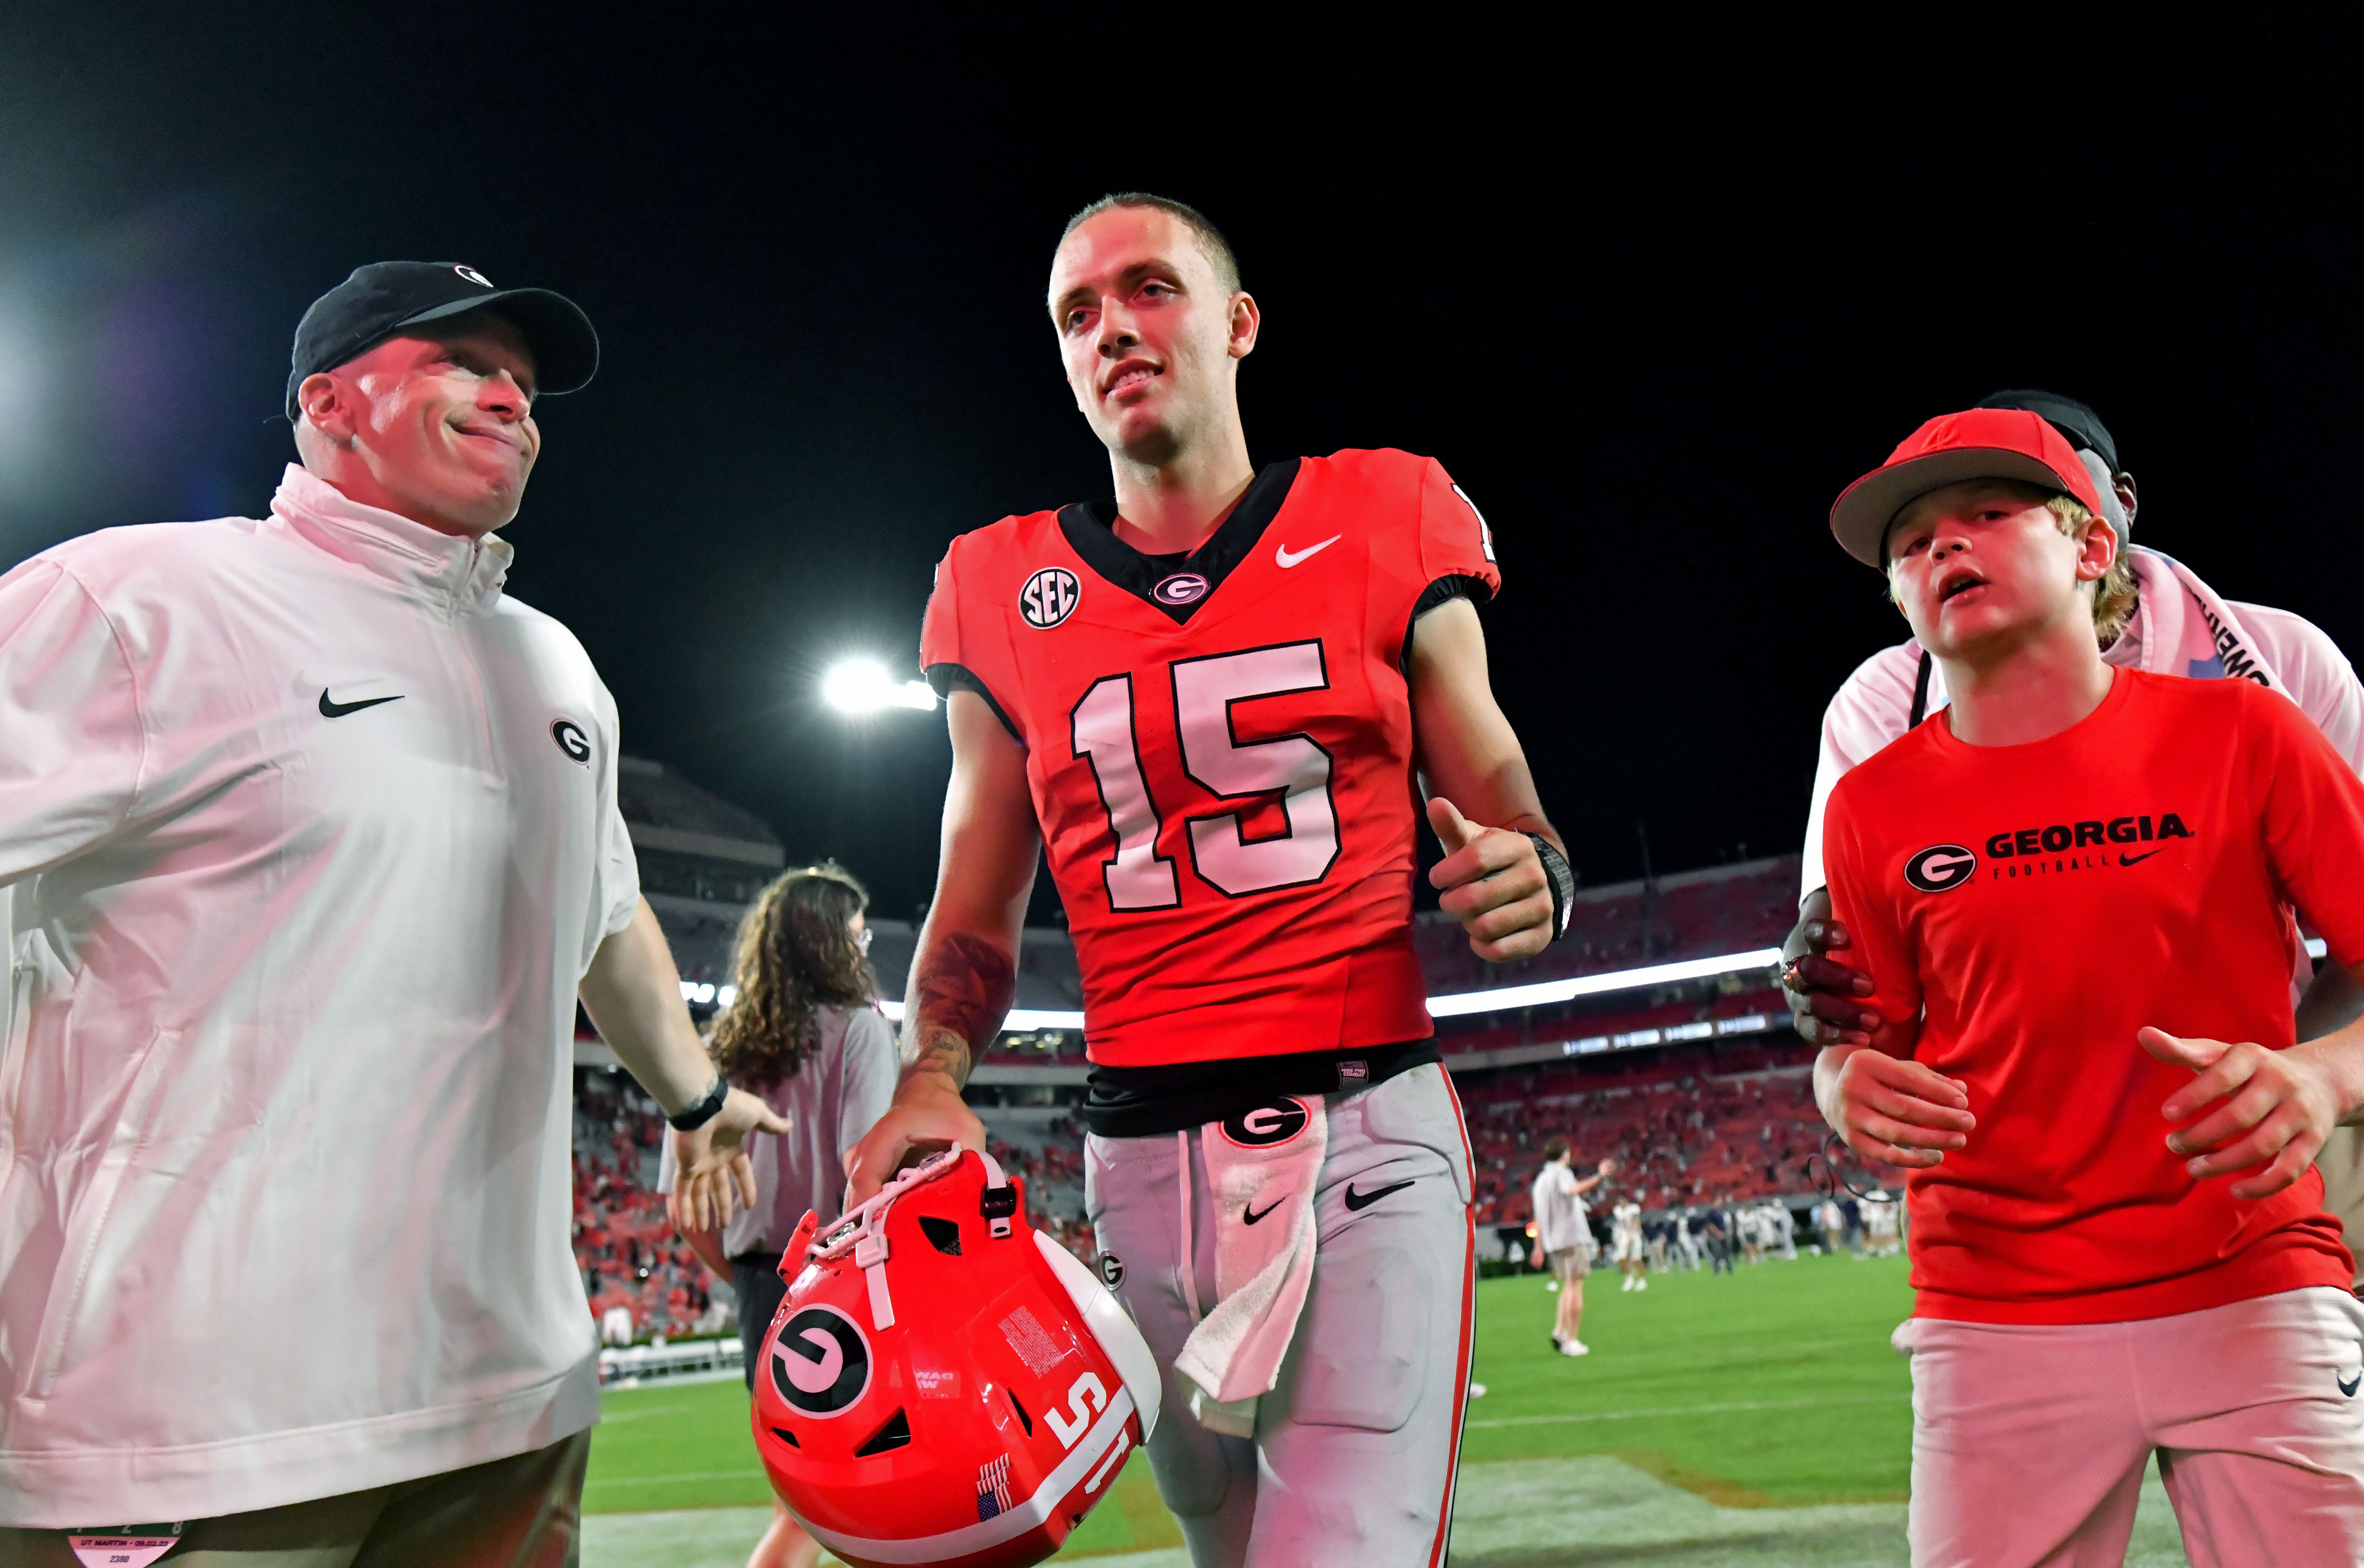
(864, 1232)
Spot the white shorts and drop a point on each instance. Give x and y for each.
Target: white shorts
(1351, 1465)
(1625, 1250)
(2028, 1441)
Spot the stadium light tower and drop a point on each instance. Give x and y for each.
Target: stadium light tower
(862, 685)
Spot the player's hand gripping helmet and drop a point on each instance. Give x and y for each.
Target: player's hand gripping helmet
(943, 1385)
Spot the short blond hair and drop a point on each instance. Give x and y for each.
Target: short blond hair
(2113, 595)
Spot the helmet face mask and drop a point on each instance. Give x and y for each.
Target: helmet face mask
(942, 1383)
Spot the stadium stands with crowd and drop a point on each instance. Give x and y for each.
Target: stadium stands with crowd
(1698, 1088)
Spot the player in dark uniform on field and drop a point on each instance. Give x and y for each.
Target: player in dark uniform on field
(1211, 701)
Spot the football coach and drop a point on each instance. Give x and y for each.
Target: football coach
(309, 837)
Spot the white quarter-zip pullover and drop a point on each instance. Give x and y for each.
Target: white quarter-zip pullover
(312, 834)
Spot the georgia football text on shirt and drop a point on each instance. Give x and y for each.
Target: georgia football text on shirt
(2044, 902)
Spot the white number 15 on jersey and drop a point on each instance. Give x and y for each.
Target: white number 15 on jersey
(1214, 758)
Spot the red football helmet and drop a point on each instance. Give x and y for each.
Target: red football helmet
(943, 1385)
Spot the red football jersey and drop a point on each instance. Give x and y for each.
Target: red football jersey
(1221, 748)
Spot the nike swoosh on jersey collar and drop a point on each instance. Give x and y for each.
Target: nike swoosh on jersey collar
(1089, 530)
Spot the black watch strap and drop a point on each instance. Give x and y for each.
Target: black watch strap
(1562, 877)
(690, 1118)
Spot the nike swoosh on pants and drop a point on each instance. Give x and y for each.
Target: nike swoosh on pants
(1358, 1201)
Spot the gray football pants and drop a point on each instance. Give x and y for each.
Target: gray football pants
(1351, 1465)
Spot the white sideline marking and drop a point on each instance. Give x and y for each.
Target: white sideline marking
(1692, 1410)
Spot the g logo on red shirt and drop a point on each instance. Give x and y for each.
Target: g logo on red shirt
(1940, 868)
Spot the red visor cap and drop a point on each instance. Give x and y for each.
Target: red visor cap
(1981, 443)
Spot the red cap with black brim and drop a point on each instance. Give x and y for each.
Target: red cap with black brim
(1983, 443)
(383, 297)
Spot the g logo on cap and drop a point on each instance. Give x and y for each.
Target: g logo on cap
(1940, 868)
(472, 275)
(820, 1362)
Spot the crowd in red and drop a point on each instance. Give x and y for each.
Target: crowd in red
(625, 1249)
(1695, 1126)
(630, 1257)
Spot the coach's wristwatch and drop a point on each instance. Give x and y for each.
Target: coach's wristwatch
(1562, 877)
(690, 1118)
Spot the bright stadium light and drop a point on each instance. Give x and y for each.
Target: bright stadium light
(862, 685)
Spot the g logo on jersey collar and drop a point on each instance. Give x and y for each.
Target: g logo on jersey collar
(1049, 597)
(1940, 868)
(1182, 588)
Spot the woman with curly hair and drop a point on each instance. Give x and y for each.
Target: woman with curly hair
(802, 1030)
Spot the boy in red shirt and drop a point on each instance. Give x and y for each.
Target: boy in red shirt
(2118, 1242)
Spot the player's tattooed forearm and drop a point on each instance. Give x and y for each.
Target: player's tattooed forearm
(961, 992)
(940, 1050)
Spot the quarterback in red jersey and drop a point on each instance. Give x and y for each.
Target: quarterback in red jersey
(1214, 701)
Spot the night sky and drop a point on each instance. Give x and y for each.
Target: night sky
(1652, 299)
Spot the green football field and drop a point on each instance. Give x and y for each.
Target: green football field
(1745, 1419)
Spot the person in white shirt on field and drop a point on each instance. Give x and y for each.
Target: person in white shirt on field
(1830, 1222)
(1785, 1230)
(310, 842)
(1563, 1238)
(2152, 614)
(1625, 1245)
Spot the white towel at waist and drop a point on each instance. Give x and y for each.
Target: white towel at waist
(1261, 1170)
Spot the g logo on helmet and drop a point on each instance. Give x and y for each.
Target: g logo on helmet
(1049, 597)
(1940, 868)
(820, 1362)
(1266, 1125)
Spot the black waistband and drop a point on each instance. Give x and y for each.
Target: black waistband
(1141, 1102)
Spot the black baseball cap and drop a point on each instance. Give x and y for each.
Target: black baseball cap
(2072, 418)
(383, 297)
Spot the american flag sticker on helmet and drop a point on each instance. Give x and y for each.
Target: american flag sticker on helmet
(993, 1488)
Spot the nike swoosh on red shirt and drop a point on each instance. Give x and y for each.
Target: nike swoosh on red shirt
(2136, 860)
(1280, 553)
